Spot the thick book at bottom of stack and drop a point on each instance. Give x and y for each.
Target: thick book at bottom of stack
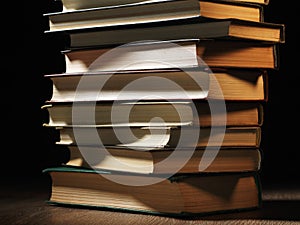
(177, 195)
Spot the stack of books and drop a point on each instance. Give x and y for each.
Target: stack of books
(160, 106)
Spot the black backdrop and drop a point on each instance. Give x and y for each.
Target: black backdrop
(280, 131)
(30, 54)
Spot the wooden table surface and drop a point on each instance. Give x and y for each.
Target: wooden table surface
(24, 202)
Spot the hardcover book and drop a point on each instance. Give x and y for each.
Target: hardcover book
(250, 85)
(194, 28)
(161, 137)
(71, 5)
(144, 12)
(181, 53)
(159, 161)
(177, 195)
(172, 113)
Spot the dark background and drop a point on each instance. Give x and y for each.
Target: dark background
(26, 147)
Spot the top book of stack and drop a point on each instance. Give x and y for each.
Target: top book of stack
(155, 20)
(69, 5)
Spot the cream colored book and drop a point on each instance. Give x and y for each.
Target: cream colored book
(143, 113)
(161, 137)
(161, 161)
(250, 85)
